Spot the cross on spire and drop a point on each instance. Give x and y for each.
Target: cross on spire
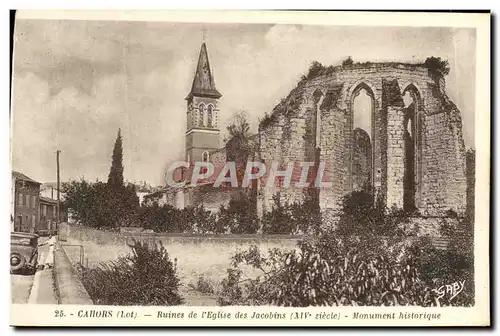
(204, 30)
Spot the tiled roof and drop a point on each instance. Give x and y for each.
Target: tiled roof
(21, 177)
(47, 200)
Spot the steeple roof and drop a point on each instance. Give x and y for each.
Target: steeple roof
(203, 82)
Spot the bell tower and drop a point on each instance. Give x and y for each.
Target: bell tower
(202, 131)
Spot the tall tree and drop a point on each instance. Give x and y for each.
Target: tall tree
(115, 177)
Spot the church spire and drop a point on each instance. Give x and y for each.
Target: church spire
(203, 82)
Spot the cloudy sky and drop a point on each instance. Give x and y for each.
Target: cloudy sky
(76, 82)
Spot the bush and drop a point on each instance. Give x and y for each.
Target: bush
(436, 66)
(295, 218)
(204, 285)
(99, 205)
(363, 215)
(240, 216)
(348, 62)
(145, 277)
(331, 270)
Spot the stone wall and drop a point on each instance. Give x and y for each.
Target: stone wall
(315, 121)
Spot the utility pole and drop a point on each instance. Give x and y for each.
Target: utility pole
(58, 196)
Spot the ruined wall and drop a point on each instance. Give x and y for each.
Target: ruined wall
(315, 122)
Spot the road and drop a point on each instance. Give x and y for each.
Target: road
(21, 284)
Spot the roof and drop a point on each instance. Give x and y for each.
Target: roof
(21, 177)
(203, 81)
(24, 234)
(48, 200)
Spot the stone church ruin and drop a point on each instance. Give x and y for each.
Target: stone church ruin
(413, 155)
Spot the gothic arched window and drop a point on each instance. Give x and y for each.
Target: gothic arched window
(210, 116)
(205, 156)
(201, 119)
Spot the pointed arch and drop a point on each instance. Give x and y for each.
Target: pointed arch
(356, 88)
(205, 157)
(414, 90)
(210, 116)
(201, 114)
(373, 176)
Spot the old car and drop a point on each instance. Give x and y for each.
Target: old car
(23, 252)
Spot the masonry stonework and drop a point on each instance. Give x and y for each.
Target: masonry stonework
(418, 152)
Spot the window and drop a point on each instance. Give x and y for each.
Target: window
(210, 116)
(33, 201)
(201, 120)
(28, 201)
(44, 210)
(19, 223)
(205, 156)
(20, 200)
(54, 212)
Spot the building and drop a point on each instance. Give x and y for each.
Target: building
(25, 203)
(48, 216)
(49, 190)
(412, 157)
(202, 127)
(202, 144)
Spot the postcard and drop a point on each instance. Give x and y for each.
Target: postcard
(250, 168)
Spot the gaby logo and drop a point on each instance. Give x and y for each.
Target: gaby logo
(296, 174)
(451, 290)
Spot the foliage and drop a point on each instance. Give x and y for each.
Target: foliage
(239, 126)
(99, 206)
(363, 214)
(436, 66)
(115, 177)
(267, 120)
(104, 205)
(145, 277)
(204, 285)
(239, 146)
(316, 69)
(295, 218)
(240, 216)
(339, 270)
(347, 62)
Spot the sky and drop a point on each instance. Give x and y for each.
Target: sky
(76, 82)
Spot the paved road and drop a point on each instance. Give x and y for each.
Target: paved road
(21, 284)
(21, 287)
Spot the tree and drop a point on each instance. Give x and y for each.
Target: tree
(115, 177)
(347, 62)
(437, 67)
(239, 146)
(239, 126)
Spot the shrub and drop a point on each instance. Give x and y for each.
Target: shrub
(99, 205)
(437, 67)
(347, 62)
(363, 215)
(240, 216)
(295, 218)
(331, 270)
(204, 285)
(145, 277)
